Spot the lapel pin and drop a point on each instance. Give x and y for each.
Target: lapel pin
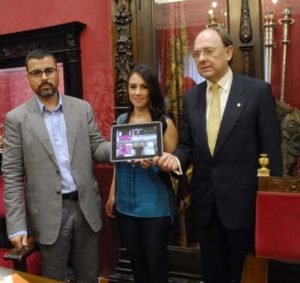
(239, 104)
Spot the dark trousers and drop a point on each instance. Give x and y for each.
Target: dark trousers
(76, 241)
(223, 251)
(146, 242)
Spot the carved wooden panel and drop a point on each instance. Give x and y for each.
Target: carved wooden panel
(123, 51)
(239, 15)
(290, 137)
(246, 44)
(280, 184)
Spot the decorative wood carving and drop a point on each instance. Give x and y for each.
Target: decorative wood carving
(62, 40)
(290, 136)
(123, 47)
(234, 8)
(280, 184)
(246, 34)
(290, 142)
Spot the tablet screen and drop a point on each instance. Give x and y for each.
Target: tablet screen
(136, 141)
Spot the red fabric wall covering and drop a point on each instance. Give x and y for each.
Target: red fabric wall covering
(14, 88)
(96, 43)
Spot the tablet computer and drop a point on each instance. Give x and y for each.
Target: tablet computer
(136, 141)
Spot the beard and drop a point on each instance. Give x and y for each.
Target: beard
(46, 90)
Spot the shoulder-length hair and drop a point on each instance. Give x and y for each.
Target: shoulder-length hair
(157, 104)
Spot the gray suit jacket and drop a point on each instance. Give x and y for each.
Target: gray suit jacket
(28, 157)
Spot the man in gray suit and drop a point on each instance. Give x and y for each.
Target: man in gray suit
(224, 154)
(49, 146)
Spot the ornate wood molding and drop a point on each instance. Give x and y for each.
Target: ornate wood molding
(123, 51)
(62, 40)
(280, 184)
(236, 10)
(290, 137)
(246, 34)
(245, 23)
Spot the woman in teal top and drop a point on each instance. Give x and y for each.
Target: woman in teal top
(143, 196)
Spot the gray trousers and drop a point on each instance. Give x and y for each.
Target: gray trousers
(76, 242)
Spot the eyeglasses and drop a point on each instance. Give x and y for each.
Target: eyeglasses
(37, 74)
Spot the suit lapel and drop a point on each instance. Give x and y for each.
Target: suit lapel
(36, 120)
(202, 119)
(234, 107)
(71, 122)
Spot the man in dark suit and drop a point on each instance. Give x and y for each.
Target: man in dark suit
(51, 140)
(224, 156)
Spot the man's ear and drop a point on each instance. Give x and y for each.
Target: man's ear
(229, 52)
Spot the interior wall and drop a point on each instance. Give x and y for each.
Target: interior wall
(96, 43)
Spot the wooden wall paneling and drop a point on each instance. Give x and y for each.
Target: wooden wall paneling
(145, 34)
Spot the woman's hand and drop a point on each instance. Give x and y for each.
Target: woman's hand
(146, 163)
(110, 207)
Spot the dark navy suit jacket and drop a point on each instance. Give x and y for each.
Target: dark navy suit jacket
(249, 127)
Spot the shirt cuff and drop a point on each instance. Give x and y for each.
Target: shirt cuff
(178, 171)
(17, 234)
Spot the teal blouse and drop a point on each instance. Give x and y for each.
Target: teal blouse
(142, 192)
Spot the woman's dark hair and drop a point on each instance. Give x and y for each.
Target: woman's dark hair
(157, 105)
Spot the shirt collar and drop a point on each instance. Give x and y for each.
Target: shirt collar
(43, 107)
(224, 82)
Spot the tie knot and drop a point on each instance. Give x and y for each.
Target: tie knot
(215, 88)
